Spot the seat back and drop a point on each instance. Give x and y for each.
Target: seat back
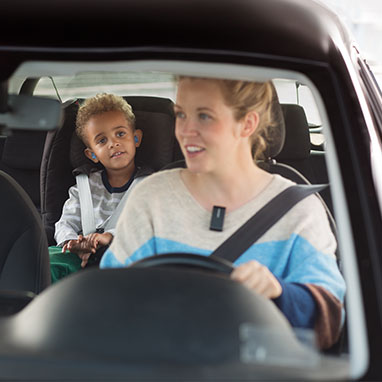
(63, 151)
(21, 159)
(296, 149)
(297, 153)
(24, 259)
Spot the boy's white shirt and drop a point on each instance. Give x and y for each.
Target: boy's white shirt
(104, 205)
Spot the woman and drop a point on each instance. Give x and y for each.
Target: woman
(219, 124)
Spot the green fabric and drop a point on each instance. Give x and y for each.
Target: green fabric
(62, 264)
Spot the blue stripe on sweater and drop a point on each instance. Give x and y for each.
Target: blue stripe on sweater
(307, 265)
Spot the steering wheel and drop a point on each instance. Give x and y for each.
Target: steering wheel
(210, 263)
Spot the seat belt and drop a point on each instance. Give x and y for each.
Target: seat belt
(112, 221)
(265, 218)
(86, 205)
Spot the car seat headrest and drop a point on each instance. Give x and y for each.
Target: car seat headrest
(297, 139)
(155, 117)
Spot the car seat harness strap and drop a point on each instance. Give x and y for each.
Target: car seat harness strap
(86, 203)
(261, 221)
(112, 221)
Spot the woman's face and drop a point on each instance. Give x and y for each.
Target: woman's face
(206, 129)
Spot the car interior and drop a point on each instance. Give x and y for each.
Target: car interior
(56, 156)
(42, 183)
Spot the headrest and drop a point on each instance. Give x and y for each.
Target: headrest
(155, 117)
(297, 139)
(24, 144)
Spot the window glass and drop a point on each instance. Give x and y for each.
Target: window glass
(295, 93)
(160, 84)
(84, 85)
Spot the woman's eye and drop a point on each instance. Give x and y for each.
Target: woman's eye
(204, 116)
(180, 115)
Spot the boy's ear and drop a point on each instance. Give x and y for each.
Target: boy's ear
(138, 133)
(91, 155)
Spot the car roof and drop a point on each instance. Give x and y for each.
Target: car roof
(278, 28)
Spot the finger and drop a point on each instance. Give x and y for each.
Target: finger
(243, 271)
(262, 281)
(85, 258)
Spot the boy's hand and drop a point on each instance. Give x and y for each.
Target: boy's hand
(258, 278)
(81, 245)
(99, 239)
(84, 246)
(85, 258)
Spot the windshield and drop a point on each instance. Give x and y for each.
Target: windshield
(304, 149)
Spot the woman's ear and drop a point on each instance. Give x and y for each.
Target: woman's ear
(91, 155)
(138, 135)
(250, 123)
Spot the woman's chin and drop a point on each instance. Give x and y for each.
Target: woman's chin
(196, 168)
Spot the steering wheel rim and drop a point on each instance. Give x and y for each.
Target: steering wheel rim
(210, 263)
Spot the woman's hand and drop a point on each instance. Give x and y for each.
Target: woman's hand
(258, 278)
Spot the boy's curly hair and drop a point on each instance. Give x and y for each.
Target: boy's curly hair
(102, 103)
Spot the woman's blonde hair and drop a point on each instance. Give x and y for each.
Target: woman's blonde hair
(244, 97)
(102, 103)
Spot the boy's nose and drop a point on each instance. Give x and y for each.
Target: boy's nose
(113, 143)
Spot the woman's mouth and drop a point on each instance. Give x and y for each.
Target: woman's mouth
(193, 150)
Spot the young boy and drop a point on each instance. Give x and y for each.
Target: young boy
(106, 124)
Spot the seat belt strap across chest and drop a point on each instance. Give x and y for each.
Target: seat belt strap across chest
(86, 205)
(112, 221)
(233, 247)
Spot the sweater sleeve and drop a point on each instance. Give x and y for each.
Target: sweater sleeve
(313, 287)
(69, 225)
(311, 307)
(297, 304)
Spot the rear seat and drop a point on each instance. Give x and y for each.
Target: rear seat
(297, 152)
(63, 151)
(21, 159)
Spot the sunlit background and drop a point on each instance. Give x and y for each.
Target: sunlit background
(364, 20)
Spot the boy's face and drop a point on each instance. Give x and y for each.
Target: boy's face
(111, 140)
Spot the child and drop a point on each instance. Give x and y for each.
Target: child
(106, 124)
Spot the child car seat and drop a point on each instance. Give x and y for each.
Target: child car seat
(63, 152)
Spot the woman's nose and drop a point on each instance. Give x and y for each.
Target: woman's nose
(188, 128)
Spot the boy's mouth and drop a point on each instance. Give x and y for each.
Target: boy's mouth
(117, 154)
